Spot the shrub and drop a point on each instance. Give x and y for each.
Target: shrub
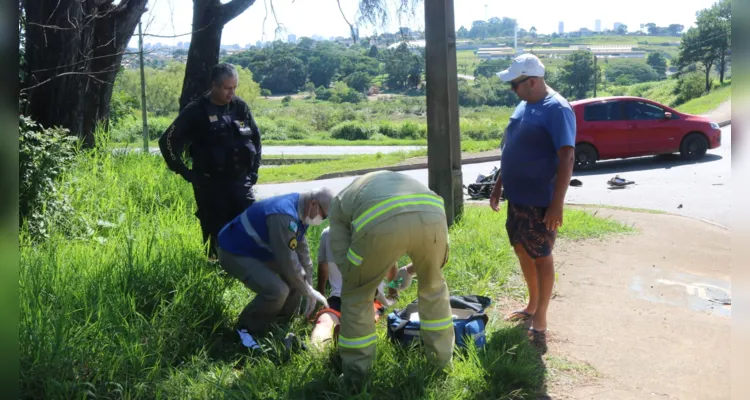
(483, 129)
(359, 81)
(293, 129)
(44, 156)
(322, 93)
(286, 101)
(690, 86)
(389, 129)
(412, 130)
(352, 130)
(131, 129)
(121, 106)
(378, 137)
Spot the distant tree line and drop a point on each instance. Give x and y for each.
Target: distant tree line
(285, 68)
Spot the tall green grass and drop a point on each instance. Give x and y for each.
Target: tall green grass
(128, 308)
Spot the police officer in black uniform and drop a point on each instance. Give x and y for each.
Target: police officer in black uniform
(222, 139)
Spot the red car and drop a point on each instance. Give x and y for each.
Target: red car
(624, 127)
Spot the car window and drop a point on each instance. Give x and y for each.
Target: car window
(609, 111)
(643, 111)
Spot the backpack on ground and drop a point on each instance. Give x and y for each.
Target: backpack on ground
(469, 321)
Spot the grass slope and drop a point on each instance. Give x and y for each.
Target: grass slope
(118, 303)
(709, 102)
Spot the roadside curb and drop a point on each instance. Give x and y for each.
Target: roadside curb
(397, 168)
(725, 123)
(645, 211)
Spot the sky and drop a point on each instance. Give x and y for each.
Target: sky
(322, 17)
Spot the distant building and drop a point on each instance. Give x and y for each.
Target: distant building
(617, 25)
(600, 51)
(598, 25)
(291, 38)
(561, 27)
(494, 53)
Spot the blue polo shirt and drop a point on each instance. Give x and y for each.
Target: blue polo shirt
(529, 159)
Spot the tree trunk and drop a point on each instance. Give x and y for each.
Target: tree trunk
(209, 18)
(73, 51)
(722, 64)
(708, 77)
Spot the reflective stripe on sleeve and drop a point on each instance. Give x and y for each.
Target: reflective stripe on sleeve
(354, 257)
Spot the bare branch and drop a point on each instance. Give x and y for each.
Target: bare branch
(55, 27)
(376, 12)
(279, 27)
(265, 17)
(124, 53)
(351, 27)
(53, 11)
(231, 10)
(89, 74)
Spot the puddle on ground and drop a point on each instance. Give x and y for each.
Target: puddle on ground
(699, 293)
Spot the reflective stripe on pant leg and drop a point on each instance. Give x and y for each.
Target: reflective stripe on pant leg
(357, 338)
(436, 324)
(376, 252)
(358, 343)
(429, 243)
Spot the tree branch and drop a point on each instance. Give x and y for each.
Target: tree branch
(231, 10)
(89, 74)
(351, 27)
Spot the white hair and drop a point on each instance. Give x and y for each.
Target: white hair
(323, 195)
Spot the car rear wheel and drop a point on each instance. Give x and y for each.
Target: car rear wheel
(585, 156)
(694, 146)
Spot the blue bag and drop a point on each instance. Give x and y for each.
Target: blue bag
(469, 321)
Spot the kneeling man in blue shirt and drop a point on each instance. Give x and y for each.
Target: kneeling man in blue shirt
(263, 248)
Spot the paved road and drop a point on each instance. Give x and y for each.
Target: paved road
(702, 188)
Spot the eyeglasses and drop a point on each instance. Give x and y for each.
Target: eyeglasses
(515, 85)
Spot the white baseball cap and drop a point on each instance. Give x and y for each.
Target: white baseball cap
(525, 64)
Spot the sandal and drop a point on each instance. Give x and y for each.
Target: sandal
(518, 315)
(538, 339)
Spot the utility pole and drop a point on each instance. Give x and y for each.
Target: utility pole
(443, 133)
(144, 116)
(596, 74)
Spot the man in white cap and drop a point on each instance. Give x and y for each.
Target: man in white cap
(536, 166)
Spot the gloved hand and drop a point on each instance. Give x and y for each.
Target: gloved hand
(312, 298)
(404, 278)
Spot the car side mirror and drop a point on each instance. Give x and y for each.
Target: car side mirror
(667, 115)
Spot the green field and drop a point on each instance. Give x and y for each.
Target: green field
(394, 120)
(118, 303)
(466, 62)
(467, 59)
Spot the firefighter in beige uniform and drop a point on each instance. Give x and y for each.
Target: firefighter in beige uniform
(375, 220)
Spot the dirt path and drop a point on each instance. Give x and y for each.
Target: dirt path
(621, 307)
(722, 113)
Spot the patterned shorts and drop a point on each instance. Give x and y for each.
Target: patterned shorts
(525, 226)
